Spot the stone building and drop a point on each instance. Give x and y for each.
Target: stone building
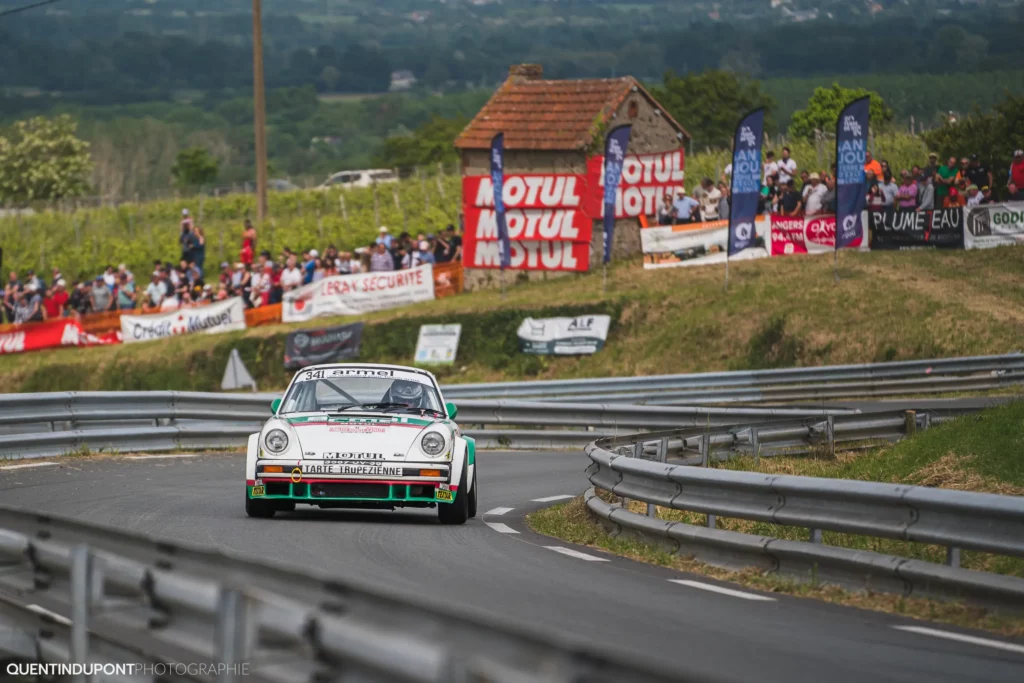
(556, 126)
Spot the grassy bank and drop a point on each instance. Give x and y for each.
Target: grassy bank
(976, 452)
(777, 312)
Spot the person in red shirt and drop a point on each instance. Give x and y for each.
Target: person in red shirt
(1017, 168)
(55, 302)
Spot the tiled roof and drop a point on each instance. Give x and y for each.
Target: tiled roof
(547, 115)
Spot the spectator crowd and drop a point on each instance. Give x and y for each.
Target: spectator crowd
(788, 191)
(257, 277)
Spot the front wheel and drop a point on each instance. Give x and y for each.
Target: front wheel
(260, 509)
(456, 512)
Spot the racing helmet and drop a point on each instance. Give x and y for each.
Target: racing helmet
(404, 391)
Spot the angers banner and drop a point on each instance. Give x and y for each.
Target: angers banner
(223, 316)
(326, 345)
(361, 293)
(994, 225)
(582, 335)
(938, 229)
(806, 235)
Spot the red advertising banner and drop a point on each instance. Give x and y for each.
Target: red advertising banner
(569, 225)
(804, 235)
(646, 178)
(529, 255)
(527, 191)
(49, 335)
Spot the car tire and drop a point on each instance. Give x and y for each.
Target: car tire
(456, 512)
(473, 496)
(260, 509)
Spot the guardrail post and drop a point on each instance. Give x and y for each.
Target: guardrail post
(705, 449)
(711, 521)
(755, 445)
(663, 449)
(910, 422)
(926, 421)
(953, 556)
(830, 434)
(234, 635)
(815, 535)
(82, 600)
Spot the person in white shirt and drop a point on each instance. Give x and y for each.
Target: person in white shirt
(974, 196)
(787, 167)
(710, 200)
(771, 167)
(813, 196)
(291, 276)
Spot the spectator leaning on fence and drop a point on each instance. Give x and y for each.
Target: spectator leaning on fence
(814, 195)
(889, 189)
(906, 196)
(871, 164)
(945, 178)
(979, 174)
(686, 207)
(927, 190)
(1016, 169)
(710, 200)
(771, 167)
(380, 260)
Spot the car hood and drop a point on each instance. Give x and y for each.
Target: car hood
(360, 437)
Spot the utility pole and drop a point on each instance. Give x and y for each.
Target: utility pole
(259, 111)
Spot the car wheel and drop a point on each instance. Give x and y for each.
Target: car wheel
(261, 509)
(472, 496)
(456, 512)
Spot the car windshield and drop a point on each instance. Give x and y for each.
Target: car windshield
(350, 388)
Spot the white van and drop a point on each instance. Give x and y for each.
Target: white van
(360, 178)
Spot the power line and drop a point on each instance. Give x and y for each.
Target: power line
(15, 10)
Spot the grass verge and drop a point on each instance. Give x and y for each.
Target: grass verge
(974, 453)
(572, 523)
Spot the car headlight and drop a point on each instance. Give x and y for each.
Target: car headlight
(276, 441)
(432, 443)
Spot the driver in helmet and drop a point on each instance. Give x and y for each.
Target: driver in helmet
(408, 393)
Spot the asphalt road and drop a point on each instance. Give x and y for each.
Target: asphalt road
(509, 571)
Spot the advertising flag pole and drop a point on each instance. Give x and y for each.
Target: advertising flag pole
(726, 270)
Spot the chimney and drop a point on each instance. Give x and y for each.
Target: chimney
(525, 72)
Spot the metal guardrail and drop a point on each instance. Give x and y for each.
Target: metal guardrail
(658, 469)
(838, 381)
(42, 425)
(79, 593)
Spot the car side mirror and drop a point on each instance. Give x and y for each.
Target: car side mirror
(452, 410)
(274, 405)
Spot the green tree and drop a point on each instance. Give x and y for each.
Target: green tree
(194, 167)
(428, 144)
(41, 158)
(710, 104)
(823, 109)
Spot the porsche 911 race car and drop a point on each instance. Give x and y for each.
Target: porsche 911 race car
(364, 436)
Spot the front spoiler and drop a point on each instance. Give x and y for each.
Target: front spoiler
(316, 491)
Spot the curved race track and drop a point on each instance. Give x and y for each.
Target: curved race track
(495, 564)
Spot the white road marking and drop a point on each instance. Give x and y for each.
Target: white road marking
(60, 619)
(724, 591)
(28, 465)
(162, 457)
(575, 553)
(550, 499)
(499, 511)
(973, 640)
(501, 528)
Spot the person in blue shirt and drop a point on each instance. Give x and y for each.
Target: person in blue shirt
(685, 206)
(309, 265)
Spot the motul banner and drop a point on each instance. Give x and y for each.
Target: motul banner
(646, 178)
(50, 334)
(806, 235)
(528, 255)
(529, 224)
(526, 191)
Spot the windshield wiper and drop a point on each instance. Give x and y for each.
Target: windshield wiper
(371, 406)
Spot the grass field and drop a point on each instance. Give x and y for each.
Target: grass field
(976, 452)
(778, 312)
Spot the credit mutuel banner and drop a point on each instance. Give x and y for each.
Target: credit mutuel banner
(223, 316)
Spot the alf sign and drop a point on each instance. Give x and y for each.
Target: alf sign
(582, 335)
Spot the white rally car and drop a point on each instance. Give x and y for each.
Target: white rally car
(362, 435)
